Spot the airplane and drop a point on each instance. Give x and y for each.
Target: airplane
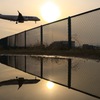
(20, 81)
(20, 18)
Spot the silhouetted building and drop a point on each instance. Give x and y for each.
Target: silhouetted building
(60, 45)
(87, 46)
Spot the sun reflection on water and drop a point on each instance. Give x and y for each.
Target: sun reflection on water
(50, 85)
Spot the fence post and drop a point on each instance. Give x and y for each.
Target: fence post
(41, 35)
(8, 42)
(25, 63)
(15, 41)
(69, 72)
(25, 38)
(41, 68)
(69, 33)
(15, 61)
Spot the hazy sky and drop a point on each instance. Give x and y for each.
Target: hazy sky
(63, 8)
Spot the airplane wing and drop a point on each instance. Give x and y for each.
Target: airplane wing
(18, 18)
(19, 81)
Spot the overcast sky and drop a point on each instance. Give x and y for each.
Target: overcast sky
(33, 7)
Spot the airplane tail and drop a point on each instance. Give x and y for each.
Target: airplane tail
(20, 82)
(20, 18)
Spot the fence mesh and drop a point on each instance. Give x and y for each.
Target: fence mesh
(85, 28)
(55, 32)
(11, 61)
(33, 65)
(20, 63)
(86, 77)
(56, 70)
(33, 37)
(84, 32)
(20, 40)
(11, 41)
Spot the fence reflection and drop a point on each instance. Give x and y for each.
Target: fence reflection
(60, 71)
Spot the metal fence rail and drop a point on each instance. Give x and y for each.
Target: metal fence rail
(85, 28)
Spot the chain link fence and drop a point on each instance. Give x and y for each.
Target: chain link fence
(81, 30)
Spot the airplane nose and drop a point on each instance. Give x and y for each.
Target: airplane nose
(37, 80)
(38, 19)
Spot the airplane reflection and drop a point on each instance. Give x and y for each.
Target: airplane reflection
(20, 81)
(57, 71)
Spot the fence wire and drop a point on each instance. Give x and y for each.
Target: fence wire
(85, 28)
(55, 32)
(33, 37)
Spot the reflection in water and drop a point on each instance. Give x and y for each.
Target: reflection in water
(75, 64)
(19, 81)
(75, 73)
(50, 85)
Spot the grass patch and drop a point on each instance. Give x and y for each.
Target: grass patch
(76, 52)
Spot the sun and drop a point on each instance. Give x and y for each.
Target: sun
(50, 12)
(50, 85)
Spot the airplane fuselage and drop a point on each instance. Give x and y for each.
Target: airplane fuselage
(16, 81)
(9, 17)
(20, 18)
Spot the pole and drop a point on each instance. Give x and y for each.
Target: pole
(41, 35)
(69, 33)
(15, 41)
(69, 73)
(25, 39)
